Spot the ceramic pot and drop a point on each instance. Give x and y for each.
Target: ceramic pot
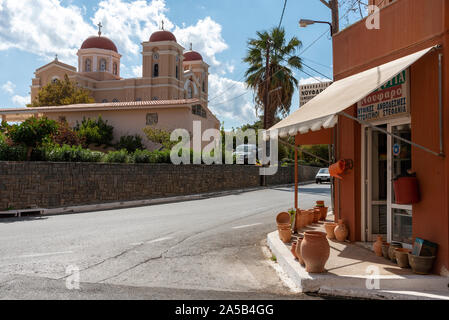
(320, 203)
(421, 265)
(391, 254)
(283, 217)
(341, 231)
(315, 251)
(401, 255)
(300, 223)
(329, 227)
(294, 245)
(323, 211)
(377, 246)
(285, 234)
(385, 247)
(316, 215)
(298, 251)
(311, 215)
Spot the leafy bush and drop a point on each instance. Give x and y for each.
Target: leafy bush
(159, 136)
(130, 143)
(95, 131)
(32, 131)
(121, 156)
(68, 136)
(68, 153)
(12, 153)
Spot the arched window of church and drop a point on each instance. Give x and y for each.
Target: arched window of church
(88, 66)
(204, 86)
(177, 72)
(189, 92)
(156, 70)
(103, 65)
(115, 68)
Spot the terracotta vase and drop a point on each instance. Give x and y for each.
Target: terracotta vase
(323, 213)
(385, 247)
(298, 251)
(329, 227)
(285, 234)
(316, 215)
(377, 246)
(341, 231)
(283, 217)
(299, 220)
(310, 216)
(391, 253)
(315, 251)
(294, 245)
(320, 203)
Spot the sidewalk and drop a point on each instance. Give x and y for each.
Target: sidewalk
(349, 273)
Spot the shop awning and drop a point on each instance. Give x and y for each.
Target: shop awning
(322, 111)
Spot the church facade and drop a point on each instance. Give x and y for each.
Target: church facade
(171, 94)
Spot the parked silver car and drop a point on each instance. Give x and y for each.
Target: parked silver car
(323, 176)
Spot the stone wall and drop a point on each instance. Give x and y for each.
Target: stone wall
(52, 185)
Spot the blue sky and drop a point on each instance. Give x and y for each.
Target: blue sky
(33, 31)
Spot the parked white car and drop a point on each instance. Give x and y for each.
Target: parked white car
(323, 176)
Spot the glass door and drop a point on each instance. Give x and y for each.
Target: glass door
(400, 161)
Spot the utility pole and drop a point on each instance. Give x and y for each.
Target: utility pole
(333, 6)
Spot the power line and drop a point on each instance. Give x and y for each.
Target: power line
(283, 12)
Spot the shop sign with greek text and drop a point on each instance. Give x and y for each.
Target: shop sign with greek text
(390, 100)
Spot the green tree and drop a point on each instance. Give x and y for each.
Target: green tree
(283, 60)
(60, 93)
(160, 136)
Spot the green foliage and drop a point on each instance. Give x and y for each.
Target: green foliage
(95, 131)
(159, 136)
(130, 143)
(62, 93)
(68, 153)
(320, 150)
(68, 136)
(32, 131)
(121, 156)
(12, 153)
(145, 156)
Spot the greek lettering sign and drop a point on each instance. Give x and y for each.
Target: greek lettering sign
(309, 91)
(390, 100)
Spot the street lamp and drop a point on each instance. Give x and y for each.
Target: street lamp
(305, 22)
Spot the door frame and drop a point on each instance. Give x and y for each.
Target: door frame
(366, 194)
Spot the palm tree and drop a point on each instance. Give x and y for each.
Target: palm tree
(283, 60)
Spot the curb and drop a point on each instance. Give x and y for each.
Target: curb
(150, 202)
(394, 287)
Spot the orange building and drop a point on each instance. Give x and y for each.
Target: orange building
(388, 112)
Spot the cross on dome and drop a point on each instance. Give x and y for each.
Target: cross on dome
(162, 24)
(99, 29)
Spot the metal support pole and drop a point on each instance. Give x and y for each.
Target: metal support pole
(296, 179)
(440, 100)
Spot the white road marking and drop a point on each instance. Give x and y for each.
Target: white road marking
(41, 254)
(136, 244)
(247, 226)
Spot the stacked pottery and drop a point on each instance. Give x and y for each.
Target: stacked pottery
(402, 257)
(298, 250)
(284, 226)
(330, 227)
(377, 246)
(391, 253)
(385, 247)
(323, 209)
(341, 231)
(315, 251)
(316, 215)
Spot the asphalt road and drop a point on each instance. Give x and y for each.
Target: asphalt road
(205, 249)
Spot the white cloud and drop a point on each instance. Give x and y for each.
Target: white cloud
(43, 27)
(225, 105)
(9, 87)
(21, 101)
(137, 71)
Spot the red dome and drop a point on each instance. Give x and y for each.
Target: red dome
(99, 43)
(192, 56)
(162, 36)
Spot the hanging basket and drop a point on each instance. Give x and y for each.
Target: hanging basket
(406, 190)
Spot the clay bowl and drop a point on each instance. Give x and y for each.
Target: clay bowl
(421, 265)
(402, 257)
(283, 217)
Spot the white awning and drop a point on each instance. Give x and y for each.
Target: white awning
(322, 111)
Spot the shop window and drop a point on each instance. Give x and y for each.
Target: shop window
(152, 119)
(156, 70)
(88, 65)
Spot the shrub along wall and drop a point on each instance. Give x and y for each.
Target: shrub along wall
(52, 185)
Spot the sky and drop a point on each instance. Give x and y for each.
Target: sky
(32, 32)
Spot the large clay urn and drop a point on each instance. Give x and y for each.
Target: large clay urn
(298, 250)
(323, 213)
(316, 215)
(315, 251)
(341, 231)
(299, 220)
(310, 216)
(330, 227)
(377, 246)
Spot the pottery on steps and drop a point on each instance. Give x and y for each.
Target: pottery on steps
(420, 265)
(315, 251)
(293, 250)
(316, 215)
(283, 217)
(323, 211)
(385, 247)
(402, 257)
(377, 246)
(329, 227)
(298, 251)
(391, 254)
(285, 234)
(341, 231)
